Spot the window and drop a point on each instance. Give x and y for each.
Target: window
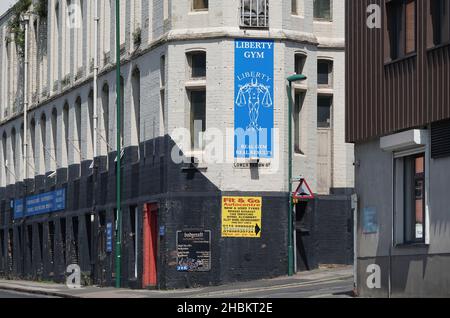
(90, 130)
(324, 72)
(200, 5)
(65, 130)
(104, 132)
(122, 106)
(76, 144)
(294, 9)
(299, 102)
(300, 60)
(54, 132)
(165, 9)
(322, 10)
(198, 117)
(162, 93)
(439, 30)
(324, 104)
(197, 64)
(401, 28)
(410, 198)
(32, 151)
(255, 13)
(44, 158)
(136, 91)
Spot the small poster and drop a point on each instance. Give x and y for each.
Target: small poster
(370, 221)
(193, 251)
(241, 217)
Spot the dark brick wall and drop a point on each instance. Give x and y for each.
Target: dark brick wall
(187, 200)
(324, 232)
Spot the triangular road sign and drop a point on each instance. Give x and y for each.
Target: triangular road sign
(303, 191)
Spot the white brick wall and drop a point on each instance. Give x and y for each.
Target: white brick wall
(213, 31)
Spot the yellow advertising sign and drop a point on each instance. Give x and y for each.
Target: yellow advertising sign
(241, 217)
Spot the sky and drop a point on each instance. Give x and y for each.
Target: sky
(5, 5)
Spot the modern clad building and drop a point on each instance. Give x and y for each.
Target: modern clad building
(398, 112)
(200, 205)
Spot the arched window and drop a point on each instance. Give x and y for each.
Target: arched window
(90, 133)
(44, 158)
(65, 137)
(104, 130)
(56, 44)
(3, 176)
(31, 160)
(136, 109)
(122, 106)
(13, 165)
(54, 146)
(300, 61)
(76, 144)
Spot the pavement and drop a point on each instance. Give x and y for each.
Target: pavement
(329, 282)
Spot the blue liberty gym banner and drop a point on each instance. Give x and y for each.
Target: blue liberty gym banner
(41, 204)
(253, 103)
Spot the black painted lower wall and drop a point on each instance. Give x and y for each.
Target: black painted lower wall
(41, 247)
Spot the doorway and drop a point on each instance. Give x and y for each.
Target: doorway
(150, 245)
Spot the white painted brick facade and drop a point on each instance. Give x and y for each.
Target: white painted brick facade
(213, 31)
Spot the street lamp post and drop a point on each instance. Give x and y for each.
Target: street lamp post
(291, 79)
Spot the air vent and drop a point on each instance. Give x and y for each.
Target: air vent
(440, 139)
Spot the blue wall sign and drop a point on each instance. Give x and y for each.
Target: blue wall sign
(41, 204)
(253, 101)
(370, 221)
(109, 237)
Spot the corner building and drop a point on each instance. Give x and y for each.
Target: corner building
(178, 70)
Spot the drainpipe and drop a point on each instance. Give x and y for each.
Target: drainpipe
(95, 148)
(25, 21)
(118, 153)
(96, 20)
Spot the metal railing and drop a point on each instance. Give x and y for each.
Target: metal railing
(254, 13)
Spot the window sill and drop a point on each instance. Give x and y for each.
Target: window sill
(411, 245)
(400, 59)
(322, 21)
(325, 91)
(437, 47)
(196, 83)
(300, 86)
(198, 11)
